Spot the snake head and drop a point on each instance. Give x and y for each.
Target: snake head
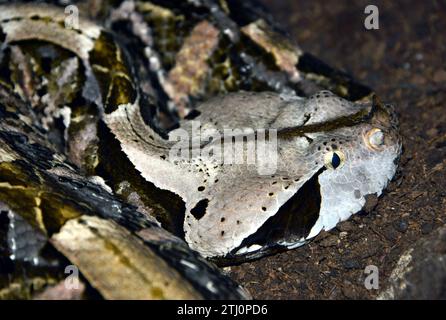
(360, 163)
(331, 154)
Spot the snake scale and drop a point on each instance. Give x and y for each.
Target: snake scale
(93, 98)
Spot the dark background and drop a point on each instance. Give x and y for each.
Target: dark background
(405, 62)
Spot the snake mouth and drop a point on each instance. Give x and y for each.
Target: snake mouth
(287, 229)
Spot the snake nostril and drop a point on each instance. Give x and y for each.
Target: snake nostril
(374, 139)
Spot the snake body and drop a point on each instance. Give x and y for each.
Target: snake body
(82, 99)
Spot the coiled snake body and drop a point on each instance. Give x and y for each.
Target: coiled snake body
(88, 110)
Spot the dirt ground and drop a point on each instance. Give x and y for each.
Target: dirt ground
(404, 61)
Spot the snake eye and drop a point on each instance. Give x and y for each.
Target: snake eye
(374, 139)
(334, 159)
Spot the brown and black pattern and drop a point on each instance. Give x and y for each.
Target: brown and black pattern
(186, 53)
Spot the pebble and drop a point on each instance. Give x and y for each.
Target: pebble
(346, 226)
(390, 234)
(419, 56)
(351, 264)
(329, 241)
(439, 76)
(427, 227)
(400, 225)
